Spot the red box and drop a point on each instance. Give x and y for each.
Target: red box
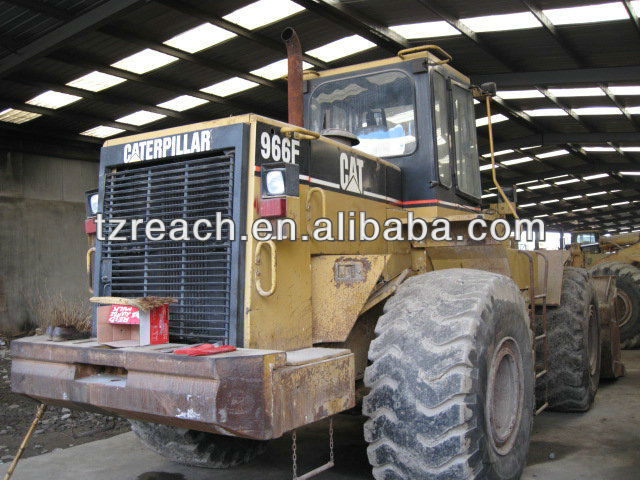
(129, 326)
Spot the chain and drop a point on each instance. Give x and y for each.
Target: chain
(331, 439)
(294, 455)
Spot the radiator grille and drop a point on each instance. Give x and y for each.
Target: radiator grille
(197, 274)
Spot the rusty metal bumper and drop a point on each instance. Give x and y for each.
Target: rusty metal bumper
(258, 394)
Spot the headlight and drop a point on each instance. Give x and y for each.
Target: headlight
(275, 182)
(93, 203)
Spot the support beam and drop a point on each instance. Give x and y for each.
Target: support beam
(548, 139)
(632, 15)
(560, 77)
(633, 120)
(336, 12)
(258, 38)
(19, 140)
(44, 8)
(610, 168)
(90, 20)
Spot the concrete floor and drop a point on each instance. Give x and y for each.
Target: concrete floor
(601, 444)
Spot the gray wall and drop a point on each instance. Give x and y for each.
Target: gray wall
(42, 239)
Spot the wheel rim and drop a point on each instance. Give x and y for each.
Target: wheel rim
(623, 307)
(505, 388)
(593, 340)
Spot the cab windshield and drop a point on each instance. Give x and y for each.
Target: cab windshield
(378, 109)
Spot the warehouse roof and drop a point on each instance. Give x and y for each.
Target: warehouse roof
(566, 119)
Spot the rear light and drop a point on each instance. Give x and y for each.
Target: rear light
(272, 207)
(89, 226)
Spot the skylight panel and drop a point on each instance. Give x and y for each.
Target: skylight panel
(530, 147)
(542, 215)
(633, 110)
(555, 153)
(538, 187)
(557, 176)
(516, 94)
(633, 174)
(573, 197)
(617, 204)
(141, 117)
(11, 115)
(596, 176)
(489, 195)
(577, 92)
(499, 23)
(341, 48)
(517, 161)
(144, 61)
(182, 103)
(596, 194)
(554, 200)
(528, 182)
(630, 149)
(53, 99)
(483, 122)
(102, 131)
(587, 14)
(199, 38)
(497, 154)
(526, 205)
(599, 149)
(598, 111)
(546, 112)
(563, 212)
(487, 167)
(566, 182)
(599, 206)
(625, 90)
(583, 209)
(276, 69)
(425, 30)
(96, 81)
(262, 13)
(229, 87)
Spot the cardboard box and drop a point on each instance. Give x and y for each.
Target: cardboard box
(129, 326)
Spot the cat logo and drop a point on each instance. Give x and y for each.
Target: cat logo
(351, 173)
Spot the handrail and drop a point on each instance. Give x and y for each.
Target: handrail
(430, 48)
(323, 199)
(302, 133)
(262, 291)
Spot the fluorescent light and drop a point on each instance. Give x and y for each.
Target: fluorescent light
(599, 149)
(516, 161)
(565, 182)
(144, 61)
(489, 195)
(526, 205)
(599, 206)
(617, 204)
(573, 197)
(625, 90)
(546, 112)
(182, 103)
(276, 69)
(53, 99)
(497, 154)
(555, 153)
(577, 92)
(483, 122)
(583, 209)
(96, 81)
(102, 131)
(587, 14)
(499, 23)
(516, 94)
(140, 117)
(597, 111)
(555, 200)
(488, 167)
(341, 48)
(11, 115)
(630, 149)
(596, 194)
(425, 30)
(200, 37)
(634, 174)
(537, 187)
(596, 176)
(229, 87)
(262, 13)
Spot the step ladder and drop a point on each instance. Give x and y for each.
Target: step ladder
(538, 323)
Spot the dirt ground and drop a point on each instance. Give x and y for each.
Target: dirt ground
(59, 427)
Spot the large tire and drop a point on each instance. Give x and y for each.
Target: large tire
(628, 300)
(451, 380)
(194, 448)
(573, 331)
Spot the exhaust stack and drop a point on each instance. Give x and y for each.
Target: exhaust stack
(294, 79)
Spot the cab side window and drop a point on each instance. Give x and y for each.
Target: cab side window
(466, 143)
(441, 128)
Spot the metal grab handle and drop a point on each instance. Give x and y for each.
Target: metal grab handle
(308, 205)
(299, 133)
(429, 48)
(92, 250)
(262, 291)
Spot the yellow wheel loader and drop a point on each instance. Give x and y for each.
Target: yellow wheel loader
(617, 255)
(450, 345)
